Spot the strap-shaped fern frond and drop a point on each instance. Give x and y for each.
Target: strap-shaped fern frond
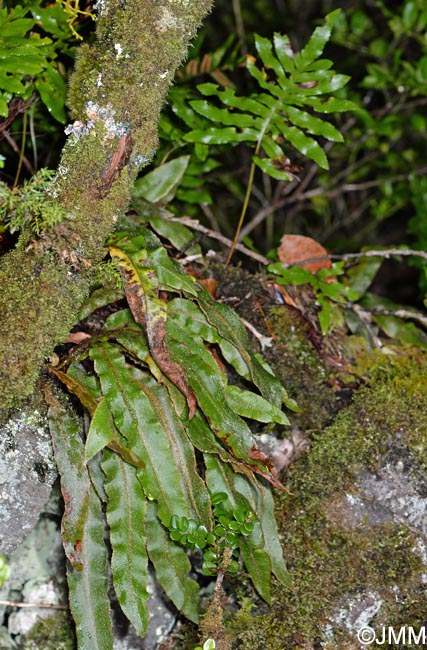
(293, 88)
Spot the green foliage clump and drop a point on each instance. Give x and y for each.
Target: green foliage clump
(227, 528)
(29, 207)
(378, 176)
(274, 122)
(326, 291)
(168, 428)
(157, 396)
(283, 111)
(343, 296)
(32, 37)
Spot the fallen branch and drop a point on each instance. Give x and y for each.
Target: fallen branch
(405, 314)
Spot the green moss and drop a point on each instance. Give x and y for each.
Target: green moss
(39, 301)
(329, 558)
(327, 566)
(134, 61)
(52, 633)
(300, 368)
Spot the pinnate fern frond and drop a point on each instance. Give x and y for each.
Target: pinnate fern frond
(293, 88)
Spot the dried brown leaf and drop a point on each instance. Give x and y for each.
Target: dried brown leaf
(295, 249)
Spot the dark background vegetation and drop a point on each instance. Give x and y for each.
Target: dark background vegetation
(373, 194)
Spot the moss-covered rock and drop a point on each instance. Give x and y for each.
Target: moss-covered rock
(52, 633)
(354, 527)
(301, 369)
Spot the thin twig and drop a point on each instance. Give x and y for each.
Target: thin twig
(365, 316)
(195, 225)
(236, 237)
(298, 197)
(16, 107)
(414, 530)
(22, 150)
(17, 150)
(264, 341)
(222, 570)
(33, 135)
(406, 252)
(249, 186)
(405, 314)
(207, 211)
(357, 187)
(240, 27)
(13, 603)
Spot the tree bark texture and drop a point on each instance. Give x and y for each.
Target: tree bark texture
(116, 94)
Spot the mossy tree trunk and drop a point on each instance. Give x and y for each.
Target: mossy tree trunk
(116, 95)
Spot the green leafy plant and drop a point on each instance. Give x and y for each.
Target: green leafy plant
(169, 381)
(374, 177)
(227, 528)
(29, 207)
(168, 462)
(390, 70)
(326, 286)
(169, 441)
(346, 290)
(29, 59)
(293, 87)
(156, 394)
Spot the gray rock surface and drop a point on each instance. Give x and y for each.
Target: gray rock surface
(37, 575)
(27, 473)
